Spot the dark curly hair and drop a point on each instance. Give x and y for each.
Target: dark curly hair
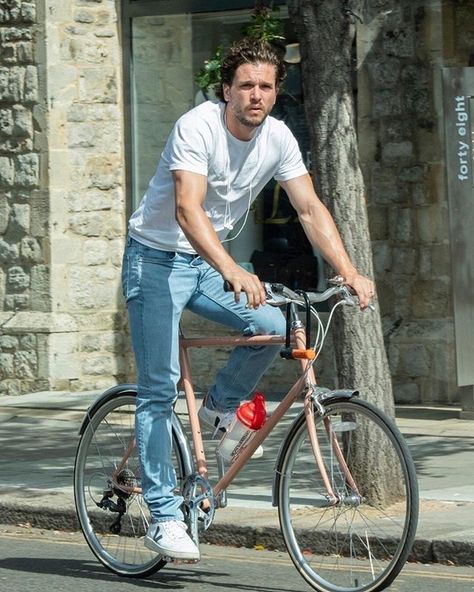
(250, 51)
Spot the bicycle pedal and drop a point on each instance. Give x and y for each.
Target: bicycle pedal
(181, 561)
(203, 514)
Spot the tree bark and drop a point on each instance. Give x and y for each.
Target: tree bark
(326, 32)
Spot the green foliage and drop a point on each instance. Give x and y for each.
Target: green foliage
(264, 26)
(210, 74)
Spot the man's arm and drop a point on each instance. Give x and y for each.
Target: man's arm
(190, 193)
(322, 233)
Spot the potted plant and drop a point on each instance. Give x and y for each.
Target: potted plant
(264, 26)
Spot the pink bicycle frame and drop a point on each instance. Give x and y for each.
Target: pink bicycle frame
(307, 382)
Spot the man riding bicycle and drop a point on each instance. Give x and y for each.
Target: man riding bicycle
(217, 159)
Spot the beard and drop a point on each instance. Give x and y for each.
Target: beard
(250, 120)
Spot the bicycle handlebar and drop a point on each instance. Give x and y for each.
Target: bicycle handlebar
(279, 294)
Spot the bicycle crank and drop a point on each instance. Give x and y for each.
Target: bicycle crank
(199, 504)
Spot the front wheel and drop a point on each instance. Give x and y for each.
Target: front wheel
(360, 541)
(114, 519)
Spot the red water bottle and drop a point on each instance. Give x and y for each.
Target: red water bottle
(249, 418)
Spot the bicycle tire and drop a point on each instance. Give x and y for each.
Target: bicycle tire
(348, 547)
(109, 429)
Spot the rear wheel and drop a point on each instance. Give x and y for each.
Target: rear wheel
(114, 520)
(360, 543)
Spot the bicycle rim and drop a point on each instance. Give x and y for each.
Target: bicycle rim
(119, 546)
(361, 543)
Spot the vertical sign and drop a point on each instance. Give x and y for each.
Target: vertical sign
(458, 93)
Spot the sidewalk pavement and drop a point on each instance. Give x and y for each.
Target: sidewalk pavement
(38, 439)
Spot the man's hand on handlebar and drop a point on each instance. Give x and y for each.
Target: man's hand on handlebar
(241, 280)
(363, 287)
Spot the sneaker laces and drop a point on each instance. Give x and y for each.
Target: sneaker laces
(175, 529)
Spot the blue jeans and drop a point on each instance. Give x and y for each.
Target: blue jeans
(157, 286)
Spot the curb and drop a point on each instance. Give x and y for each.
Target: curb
(445, 551)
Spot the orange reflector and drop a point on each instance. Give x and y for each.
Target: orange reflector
(303, 354)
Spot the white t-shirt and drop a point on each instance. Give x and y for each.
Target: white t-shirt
(236, 172)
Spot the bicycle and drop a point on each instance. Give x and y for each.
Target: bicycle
(345, 528)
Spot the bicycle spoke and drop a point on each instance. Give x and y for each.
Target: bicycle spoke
(114, 532)
(360, 542)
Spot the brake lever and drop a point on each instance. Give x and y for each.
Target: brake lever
(273, 299)
(349, 297)
(352, 300)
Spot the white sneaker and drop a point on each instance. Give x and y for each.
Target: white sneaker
(220, 422)
(171, 540)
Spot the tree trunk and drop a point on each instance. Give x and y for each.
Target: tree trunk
(326, 31)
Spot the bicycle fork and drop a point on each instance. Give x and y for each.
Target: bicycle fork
(311, 401)
(313, 404)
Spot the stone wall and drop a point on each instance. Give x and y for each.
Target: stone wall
(86, 183)
(62, 206)
(24, 271)
(401, 49)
